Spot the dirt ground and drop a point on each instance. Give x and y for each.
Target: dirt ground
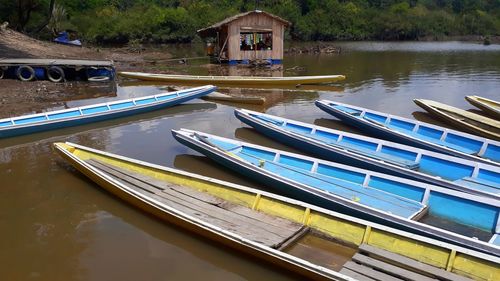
(39, 95)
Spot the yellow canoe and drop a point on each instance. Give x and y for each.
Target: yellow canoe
(234, 80)
(313, 242)
(490, 107)
(468, 121)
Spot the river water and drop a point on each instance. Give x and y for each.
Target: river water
(57, 225)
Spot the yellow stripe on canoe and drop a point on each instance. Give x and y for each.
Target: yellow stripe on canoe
(343, 228)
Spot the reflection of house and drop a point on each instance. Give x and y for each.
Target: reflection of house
(250, 36)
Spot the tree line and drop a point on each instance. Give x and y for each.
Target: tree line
(166, 21)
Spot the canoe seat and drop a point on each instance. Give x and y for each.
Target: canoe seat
(480, 184)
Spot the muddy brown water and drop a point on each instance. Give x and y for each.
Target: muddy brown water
(57, 225)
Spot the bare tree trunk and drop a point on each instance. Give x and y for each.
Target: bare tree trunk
(47, 20)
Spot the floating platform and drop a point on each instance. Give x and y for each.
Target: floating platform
(57, 70)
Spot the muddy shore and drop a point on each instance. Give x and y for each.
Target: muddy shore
(17, 98)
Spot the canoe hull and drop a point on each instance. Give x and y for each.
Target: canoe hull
(175, 219)
(354, 159)
(435, 109)
(395, 136)
(81, 120)
(490, 107)
(352, 231)
(326, 201)
(234, 80)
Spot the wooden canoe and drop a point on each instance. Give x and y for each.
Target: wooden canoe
(302, 238)
(33, 123)
(440, 213)
(465, 120)
(234, 80)
(379, 155)
(415, 133)
(489, 106)
(216, 96)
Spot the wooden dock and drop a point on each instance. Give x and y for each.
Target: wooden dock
(56, 70)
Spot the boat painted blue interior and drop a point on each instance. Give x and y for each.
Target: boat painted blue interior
(5, 123)
(30, 120)
(454, 141)
(121, 105)
(444, 166)
(381, 193)
(67, 114)
(89, 110)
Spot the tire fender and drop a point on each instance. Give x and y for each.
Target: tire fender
(55, 74)
(23, 70)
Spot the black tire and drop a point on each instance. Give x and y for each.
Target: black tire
(2, 72)
(23, 70)
(55, 74)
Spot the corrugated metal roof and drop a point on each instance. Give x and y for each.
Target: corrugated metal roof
(235, 17)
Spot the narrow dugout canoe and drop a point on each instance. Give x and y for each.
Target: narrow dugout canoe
(216, 96)
(276, 229)
(33, 123)
(468, 121)
(489, 106)
(383, 156)
(234, 80)
(415, 133)
(409, 205)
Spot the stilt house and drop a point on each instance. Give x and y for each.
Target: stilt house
(246, 37)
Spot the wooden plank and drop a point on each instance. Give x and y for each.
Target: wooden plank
(249, 227)
(412, 264)
(389, 268)
(47, 62)
(283, 224)
(367, 271)
(292, 239)
(355, 275)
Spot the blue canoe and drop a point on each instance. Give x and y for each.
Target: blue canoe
(416, 133)
(383, 156)
(401, 203)
(27, 124)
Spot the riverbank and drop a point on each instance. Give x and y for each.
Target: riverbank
(39, 95)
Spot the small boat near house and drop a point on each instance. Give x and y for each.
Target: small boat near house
(234, 80)
(436, 212)
(316, 243)
(379, 155)
(490, 107)
(465, 120)
(415, 133)
(33, 123)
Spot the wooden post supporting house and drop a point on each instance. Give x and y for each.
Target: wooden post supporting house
(247, 37)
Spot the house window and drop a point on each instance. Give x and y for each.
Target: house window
(258, 41)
